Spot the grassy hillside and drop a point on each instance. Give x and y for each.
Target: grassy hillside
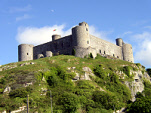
(105, 92)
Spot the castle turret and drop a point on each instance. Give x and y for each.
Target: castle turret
(48, 54)
(80, 35)
(128, 53)
(119, 42)
(56, 37)
(25, 52)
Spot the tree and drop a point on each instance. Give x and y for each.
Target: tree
(141, 105)
(70, 102)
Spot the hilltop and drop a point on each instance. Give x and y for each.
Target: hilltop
(77, 84)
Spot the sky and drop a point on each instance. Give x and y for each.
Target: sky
(33, 22)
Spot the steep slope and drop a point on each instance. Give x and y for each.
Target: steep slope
(77, 85)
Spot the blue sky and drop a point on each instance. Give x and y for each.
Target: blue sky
(33, 21)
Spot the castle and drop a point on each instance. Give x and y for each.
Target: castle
(79, 41)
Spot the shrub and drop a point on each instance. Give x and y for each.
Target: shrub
(138, 65)
(73, 52)
(149, 71)
(106, 100)
(70, 102)
(83, 84)
(21, 92)
(3, 81)
(141, 105)
(99, 71)
(126, 70)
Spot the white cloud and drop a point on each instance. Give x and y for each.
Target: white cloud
(143, 48)
(25, 16)
(21, 9)
(126, 33)
(35, 36)
(148, 27)
(52, 10)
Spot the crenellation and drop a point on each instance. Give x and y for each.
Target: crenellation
(80, 40)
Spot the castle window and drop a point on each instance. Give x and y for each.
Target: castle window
(87, 42)
(100, 51)
(85, 24)
(27, 53)
(86, 29)
(113, 55)
(117, 56)
(104, 52)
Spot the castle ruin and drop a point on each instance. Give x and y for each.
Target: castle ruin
(81, 42)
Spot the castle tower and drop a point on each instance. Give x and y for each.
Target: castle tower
(55, 37)
(119, 42)
(128, 53)
(48, 54)
(25, 52)
(80, 35)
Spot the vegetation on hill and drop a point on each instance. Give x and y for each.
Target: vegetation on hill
(104, 93)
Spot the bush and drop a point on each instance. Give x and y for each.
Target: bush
(83, 84)
(149, 71)
(147, 90)
(126, 70)
(138, 65)
(70, 102)
(141, 105)
(21, 92)
(99, 71)
(73, 52)
(106, 100)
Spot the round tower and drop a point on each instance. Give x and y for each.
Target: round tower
(48, 54)
(128, 53)
(40, 56)
(56, 37)
(80, 35)
(25, 52)
(119, 42)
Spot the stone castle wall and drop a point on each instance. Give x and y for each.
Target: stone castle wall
(104, 47)
(61, 46)
(81, 41)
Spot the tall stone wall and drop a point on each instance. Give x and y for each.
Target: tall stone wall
(82, 52)
(61, 46)
(104, 47)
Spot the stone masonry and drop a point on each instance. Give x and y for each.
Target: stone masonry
(81, 41)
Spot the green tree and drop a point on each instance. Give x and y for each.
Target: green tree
(149, 71)
(141, 105)
(21, 92)
(106, 100)
(70, 102)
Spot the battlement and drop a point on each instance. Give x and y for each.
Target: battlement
(81, 41)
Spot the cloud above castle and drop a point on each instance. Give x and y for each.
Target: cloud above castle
(36, 36)
(143, 45)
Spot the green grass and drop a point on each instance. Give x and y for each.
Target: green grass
(58, 79)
